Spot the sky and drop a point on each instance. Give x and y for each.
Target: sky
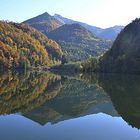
(100, 13)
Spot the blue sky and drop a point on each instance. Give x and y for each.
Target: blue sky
(101, 13)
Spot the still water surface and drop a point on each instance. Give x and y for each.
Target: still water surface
(45, 106)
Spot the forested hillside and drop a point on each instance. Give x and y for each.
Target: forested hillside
(124, 55)
(22, 46)
(78, 43)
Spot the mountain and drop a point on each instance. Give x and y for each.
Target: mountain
(22, 46)
(93, 29)
(124, 56)
(108, 33)
(44, 23)
(77, 42)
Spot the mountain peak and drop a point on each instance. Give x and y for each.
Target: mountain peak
(44, 22)
(40, 18)
(45, 15)
(71, 32)
(57, 15)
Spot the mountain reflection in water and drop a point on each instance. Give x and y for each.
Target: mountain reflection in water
(46, 97)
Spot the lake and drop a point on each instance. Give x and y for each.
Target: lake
(46, 106)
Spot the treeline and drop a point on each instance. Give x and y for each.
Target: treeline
(89, 65)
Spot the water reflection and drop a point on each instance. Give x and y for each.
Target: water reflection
(76, 98)
(124, 91)
(47, 97)
(24, 92)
